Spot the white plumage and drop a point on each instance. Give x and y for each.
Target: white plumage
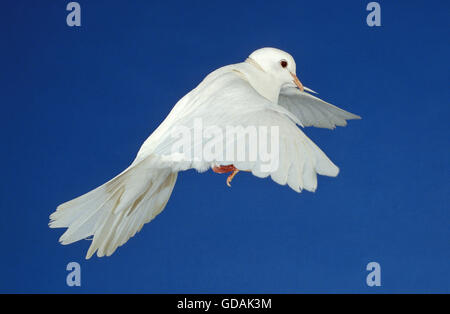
(257, 92)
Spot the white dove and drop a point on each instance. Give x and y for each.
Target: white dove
(262, 91)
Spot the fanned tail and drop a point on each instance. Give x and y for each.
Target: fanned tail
(117, 210)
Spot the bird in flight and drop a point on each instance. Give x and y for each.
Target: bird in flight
(261, 92)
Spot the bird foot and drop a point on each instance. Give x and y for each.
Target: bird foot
(225, 169)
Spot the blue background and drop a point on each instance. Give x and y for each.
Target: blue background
(77, 103)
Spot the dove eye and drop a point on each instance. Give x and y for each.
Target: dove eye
(283, 63)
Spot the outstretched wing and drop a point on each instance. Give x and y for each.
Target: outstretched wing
(312, 111)
(226, 100)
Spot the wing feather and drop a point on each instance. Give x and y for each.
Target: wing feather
(312, 111)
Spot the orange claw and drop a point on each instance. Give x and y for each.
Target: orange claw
(231, 176)
(225, 169)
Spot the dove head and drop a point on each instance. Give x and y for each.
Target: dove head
(277, 63)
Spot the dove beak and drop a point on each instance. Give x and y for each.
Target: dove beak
(297, 82)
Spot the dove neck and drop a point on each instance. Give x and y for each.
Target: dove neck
(264, 83)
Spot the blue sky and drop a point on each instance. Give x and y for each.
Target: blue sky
(77, 103)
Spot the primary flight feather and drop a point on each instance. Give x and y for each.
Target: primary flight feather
(262, 92)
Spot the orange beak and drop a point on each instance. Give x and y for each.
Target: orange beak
(297, 82)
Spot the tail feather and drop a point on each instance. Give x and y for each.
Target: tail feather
(117, 210)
